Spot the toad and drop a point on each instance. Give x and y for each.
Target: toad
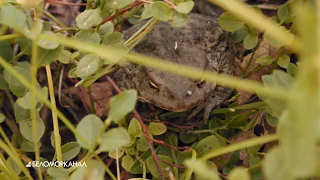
(201, 43)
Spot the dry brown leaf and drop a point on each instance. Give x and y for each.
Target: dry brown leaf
(100, 93)
(264, 49)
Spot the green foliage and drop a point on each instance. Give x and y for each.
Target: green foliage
(121, 104)
(114, 139)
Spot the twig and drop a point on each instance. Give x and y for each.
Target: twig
(136, 3)
(173, 165)
(144, 130)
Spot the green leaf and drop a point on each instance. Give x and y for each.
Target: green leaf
(134, 128)
(142, 144)
(157, 128)
(28, 146)
(280, 79)
(187, 138)
(265, 60)
(272, 121)
(89, 128)
(118, 4)
(89, 18)
(283, 13)
(26, 128)
(65, 57)
(240, 34)
(26, 101)
(239, 173)
(183, 156)
(13, 16)
(2, 118)
(229, 22)
(70, 150)
(16, 169)
(201, 170)
(211, 166)
(115, 138)
(88, 35)
(88, 65)
(58, 173)
(72, 73)
(16, 87)
(5, 50)
(161, 10)
(113, 154)
(185, 7)
(179, 20)
(47, 56)
(283, 61)
(153, 167)
(292, 69)
(113, 38)
(127, 162)
(25, 45)
(93, 171)
(250, 41)
(274, 166)
(3, 83)
(147, 13)
(48, 44)
(106, 29)
(121, 104)
(207, 144)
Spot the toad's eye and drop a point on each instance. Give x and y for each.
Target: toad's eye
(153, 85)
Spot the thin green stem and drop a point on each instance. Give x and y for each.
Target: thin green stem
(17, 160)
(6, 169)
(34, 69)
(9, 36)
(52, 17)
(249, 63)
(242, 107)
(43, 99)
(241, 145)
(112, 54)
(57, 137)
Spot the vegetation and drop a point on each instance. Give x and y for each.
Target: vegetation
(150, 148)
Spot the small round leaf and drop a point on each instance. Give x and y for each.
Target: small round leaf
(229, 22)
(239, 173)
(185, 7)
(70, 150)
(283, 61)
(88, 65)
(89, 128)
(265, 60)
(157, 128)
(115, 138)
(89, 18)
(121, 104)
(161, 10)
(134, 128)
(45, 44)
(250, 41)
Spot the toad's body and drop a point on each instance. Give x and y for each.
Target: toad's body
(201, 43)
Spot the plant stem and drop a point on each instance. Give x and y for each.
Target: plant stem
(241, 145)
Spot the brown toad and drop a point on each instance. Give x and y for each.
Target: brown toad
(202, 44)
